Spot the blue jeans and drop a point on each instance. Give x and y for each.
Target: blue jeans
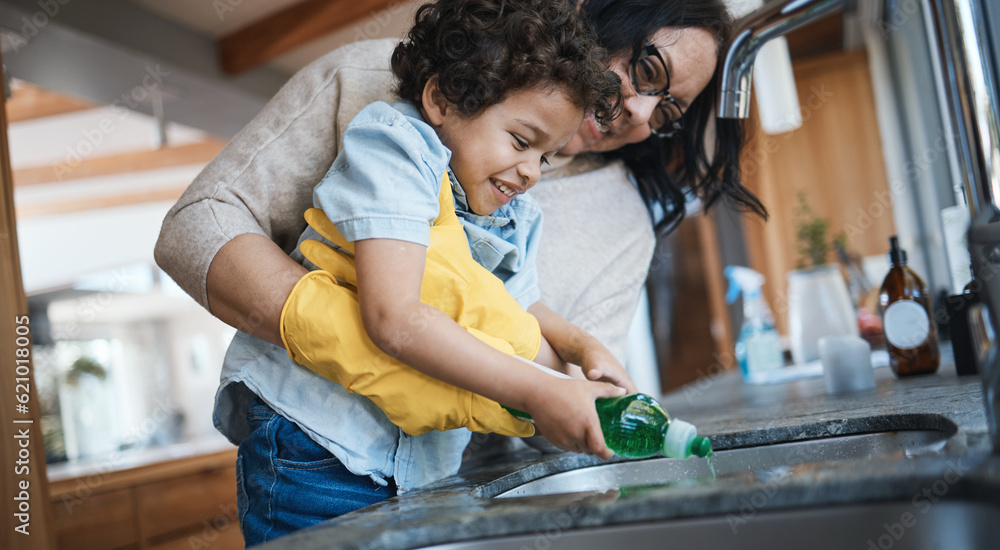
(285, 481)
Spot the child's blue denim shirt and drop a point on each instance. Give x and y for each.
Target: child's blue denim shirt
(349, 425)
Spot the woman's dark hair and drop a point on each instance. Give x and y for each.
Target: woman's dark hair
(481, 50)
(668, 168)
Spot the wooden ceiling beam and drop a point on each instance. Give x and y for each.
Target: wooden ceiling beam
(167, 157)
(290, 28)
(50, 208)
(28, 102)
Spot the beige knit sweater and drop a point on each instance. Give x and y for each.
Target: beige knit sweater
(597, 237)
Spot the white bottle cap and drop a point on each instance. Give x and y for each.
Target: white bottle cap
(680, 435)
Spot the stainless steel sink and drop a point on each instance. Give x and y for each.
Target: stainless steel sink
(654, 471)
(899, 522)
(902, 525)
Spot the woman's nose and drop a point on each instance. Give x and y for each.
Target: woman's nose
(638, 109)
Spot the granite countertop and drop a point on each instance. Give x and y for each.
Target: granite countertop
(734, 415)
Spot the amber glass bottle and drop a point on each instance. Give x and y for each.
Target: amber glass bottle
(908, 318)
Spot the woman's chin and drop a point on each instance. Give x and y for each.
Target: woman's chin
(588, 138)
(577, 146)
(574, 146)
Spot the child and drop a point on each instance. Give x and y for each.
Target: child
(489, 91)
(391, 167)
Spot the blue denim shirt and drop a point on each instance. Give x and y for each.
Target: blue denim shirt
(383, 184)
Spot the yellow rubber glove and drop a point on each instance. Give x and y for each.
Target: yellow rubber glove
(322, 329)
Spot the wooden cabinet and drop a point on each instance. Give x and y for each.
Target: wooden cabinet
(210, 538)
(104, 520)
(204, 499)
(187, 503)
(690, 319)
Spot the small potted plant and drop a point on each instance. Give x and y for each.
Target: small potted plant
(85, 366)
(818, 302)
(810, 236)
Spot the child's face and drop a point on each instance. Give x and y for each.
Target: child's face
(498, 154)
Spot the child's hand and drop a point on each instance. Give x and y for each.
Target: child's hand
(565, 414)
(599, 364)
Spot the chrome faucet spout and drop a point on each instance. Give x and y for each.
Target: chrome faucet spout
(753, 31)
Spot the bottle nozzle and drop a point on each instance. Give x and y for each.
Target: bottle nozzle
(897, 256)
(742, 279)
(682, 441)
(701, 447)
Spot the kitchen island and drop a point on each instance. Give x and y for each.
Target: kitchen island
(807, 498)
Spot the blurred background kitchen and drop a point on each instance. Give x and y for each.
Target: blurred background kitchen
(115, 106)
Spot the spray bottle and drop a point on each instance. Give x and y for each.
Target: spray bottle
(758, 347)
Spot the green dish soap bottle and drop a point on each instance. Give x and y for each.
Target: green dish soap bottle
(636, 426)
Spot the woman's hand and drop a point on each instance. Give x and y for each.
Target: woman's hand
(574, 345)
(565, 414)
(599, 364)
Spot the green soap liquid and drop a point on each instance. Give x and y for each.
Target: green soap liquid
(634, 426)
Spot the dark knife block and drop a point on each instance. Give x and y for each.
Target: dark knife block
(960, 328)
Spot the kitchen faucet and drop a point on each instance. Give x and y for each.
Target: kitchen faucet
(771, 21)
(966, 66)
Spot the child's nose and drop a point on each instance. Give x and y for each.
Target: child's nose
(529, 172)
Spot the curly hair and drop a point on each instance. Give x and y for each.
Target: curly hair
(482, 50)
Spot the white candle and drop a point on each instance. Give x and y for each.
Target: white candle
(847, 363)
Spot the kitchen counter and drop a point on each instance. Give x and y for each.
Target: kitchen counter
(151, 457)
(733, 415)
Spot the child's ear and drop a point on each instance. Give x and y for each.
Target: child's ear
(434, 103)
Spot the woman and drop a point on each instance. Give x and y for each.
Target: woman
(226, 241)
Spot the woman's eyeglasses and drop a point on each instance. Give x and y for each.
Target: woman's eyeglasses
(649, 76)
